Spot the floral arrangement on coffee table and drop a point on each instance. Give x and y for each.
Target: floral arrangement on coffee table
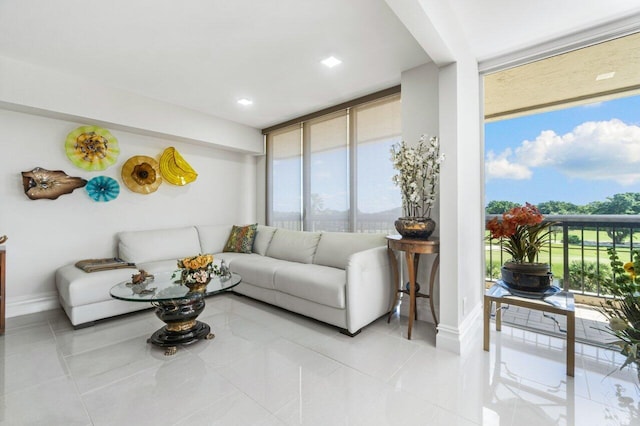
(196, 271)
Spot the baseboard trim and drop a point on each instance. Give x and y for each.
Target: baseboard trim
(460, 339)
(30, 305)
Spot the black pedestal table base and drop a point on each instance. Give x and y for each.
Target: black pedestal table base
(181, 326)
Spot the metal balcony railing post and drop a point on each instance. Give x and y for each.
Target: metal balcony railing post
(565, 256)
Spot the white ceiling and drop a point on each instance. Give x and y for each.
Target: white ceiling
(497, 27)
(207, 54)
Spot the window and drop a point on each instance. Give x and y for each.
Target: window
(333, 172)
(285, 164)
(326, 141)
(378, 200)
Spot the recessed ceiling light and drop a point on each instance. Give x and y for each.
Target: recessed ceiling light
(605, 76)
(245, 102)
(331, 61)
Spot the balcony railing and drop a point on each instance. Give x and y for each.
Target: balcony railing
(577, 250)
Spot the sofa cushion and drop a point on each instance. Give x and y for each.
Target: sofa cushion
(319, 284)
(161, 244)
(156, 266)
(241, 239)
(296, 246)
(228, 258)
(264, 234)
(257, 270)
(79, 288)
(335, 248)
(213, 237)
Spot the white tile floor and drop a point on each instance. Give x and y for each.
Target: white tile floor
(270, 367)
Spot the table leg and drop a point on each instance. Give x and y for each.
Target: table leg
(487, 315)
(571, 342)
(396, 278)
(416, 265)
(432, 280)
(498, 316)
(412, 291)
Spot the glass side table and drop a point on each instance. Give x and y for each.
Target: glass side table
(560, 303)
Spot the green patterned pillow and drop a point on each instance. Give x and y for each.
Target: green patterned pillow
(241, 239)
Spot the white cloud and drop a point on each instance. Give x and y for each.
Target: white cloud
(499, 167)
(602, 150)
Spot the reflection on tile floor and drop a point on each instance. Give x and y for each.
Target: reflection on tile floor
(269, 367)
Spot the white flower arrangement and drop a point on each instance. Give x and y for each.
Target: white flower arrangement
(418, 172)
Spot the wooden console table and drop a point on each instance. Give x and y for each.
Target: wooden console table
(413, 249)
(2, 287)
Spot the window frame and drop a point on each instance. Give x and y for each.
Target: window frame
(349, 110)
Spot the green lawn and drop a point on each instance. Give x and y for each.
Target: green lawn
(576, 252)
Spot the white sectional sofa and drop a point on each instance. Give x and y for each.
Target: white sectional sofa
(342, 279)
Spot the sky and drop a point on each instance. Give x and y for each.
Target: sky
(580, 154)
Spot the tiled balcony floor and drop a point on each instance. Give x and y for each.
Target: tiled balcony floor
(590, 324)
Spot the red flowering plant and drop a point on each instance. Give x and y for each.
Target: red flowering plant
(522, 232)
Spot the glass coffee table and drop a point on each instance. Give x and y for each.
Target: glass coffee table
(175, 305)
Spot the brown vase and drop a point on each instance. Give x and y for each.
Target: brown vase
(197, 287)
(419, 228)
(194, 287)
(524, 276)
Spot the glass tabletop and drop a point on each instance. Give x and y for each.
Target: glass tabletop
(164, 287)
(560, 299)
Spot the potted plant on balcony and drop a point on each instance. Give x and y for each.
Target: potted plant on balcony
(523, 234)
(418, 172)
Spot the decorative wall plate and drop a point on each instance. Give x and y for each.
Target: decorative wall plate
(141, 174)
(92, 148)
(103, 188)
(175, 169)
(42, 183)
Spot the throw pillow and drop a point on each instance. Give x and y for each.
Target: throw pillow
(241, 239)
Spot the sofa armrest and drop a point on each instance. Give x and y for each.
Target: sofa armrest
(369, 292)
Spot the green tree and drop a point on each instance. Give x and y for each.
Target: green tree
(558, 207)
(499, 207)
(627, 203)
(317, 203)
(590, 274)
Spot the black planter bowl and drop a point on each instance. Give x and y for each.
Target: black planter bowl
(529, 277)
(419, 228)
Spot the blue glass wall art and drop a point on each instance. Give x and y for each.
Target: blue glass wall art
(103, 188)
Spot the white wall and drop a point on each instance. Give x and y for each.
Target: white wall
(46, 234)
(39, 90)
(434, 26)
(461, 208)
(420, 115)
